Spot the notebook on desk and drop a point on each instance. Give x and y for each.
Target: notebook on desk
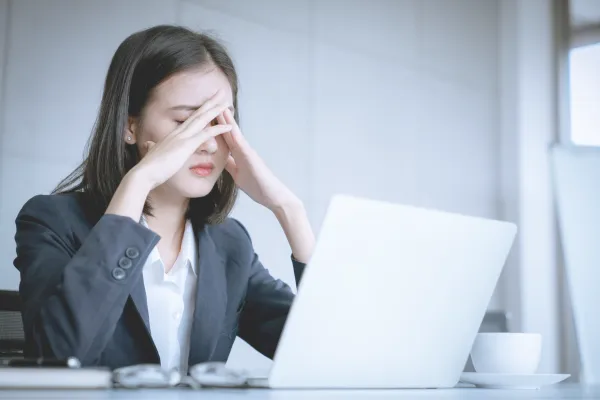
(54, 378)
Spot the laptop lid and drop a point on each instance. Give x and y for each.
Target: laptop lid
(392, 297)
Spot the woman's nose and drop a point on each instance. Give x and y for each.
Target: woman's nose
(210, 146)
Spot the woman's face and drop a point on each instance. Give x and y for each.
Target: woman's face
(171, 103)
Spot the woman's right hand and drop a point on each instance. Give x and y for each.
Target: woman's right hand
(165, 158)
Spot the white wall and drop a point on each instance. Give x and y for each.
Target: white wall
(3, 41)
(397, 100)
(8, 277)
(529, 125)
(394, 86)
(57, 55)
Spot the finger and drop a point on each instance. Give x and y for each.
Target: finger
(199, 123)
(236, 133)
(229, 118)
(209, 132)
(221, 119)
(229, 140)
(212, 101)
(226, 135)
(217, 98)
(231, 166)
(215, 101)
(192, 120)
(148, 145)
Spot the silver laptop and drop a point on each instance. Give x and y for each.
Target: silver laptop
(392, 298)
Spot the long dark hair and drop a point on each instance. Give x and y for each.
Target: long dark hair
(141, 62)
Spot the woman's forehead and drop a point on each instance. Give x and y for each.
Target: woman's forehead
(190, 89)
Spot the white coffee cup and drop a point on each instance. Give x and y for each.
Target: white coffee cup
(507, 353)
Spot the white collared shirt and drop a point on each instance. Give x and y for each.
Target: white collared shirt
(171, 301)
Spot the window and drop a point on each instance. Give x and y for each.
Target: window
(584, 65)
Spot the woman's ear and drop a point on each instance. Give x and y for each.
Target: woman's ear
(130, 130)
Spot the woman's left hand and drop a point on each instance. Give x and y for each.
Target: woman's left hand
(250, 172)
(252, 175)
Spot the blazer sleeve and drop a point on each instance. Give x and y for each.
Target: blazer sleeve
(73, 297)
(267, 304)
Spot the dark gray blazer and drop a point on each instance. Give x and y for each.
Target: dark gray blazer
(83, 292)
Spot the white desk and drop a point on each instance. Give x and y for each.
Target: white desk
(560, 391)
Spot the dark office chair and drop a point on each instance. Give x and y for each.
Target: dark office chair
(12, 338)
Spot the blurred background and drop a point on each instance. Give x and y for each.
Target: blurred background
(483, 107)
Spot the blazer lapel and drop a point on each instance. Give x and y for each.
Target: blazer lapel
(211, 300)
(138, 296)
(138, 292)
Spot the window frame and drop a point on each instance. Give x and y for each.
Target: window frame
(583, 37)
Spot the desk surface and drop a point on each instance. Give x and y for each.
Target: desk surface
(560, 391)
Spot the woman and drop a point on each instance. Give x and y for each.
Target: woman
(132, 259)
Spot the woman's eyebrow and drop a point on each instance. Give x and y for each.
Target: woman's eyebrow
(193, 108)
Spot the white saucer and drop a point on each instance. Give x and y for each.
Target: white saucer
(511, 381)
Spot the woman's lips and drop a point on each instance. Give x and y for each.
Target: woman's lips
(203, 169)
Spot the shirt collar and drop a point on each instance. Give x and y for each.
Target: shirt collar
(188, 246)
(188, 250)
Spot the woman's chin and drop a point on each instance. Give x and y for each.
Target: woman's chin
(198, 191)
(193, 187)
